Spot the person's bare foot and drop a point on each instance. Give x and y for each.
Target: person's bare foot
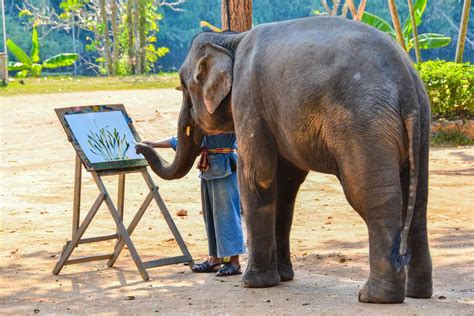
(235, 261)
(214, 260)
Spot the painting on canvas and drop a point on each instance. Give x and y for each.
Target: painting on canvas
(103, 136)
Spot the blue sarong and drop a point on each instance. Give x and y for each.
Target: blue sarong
(220, 198)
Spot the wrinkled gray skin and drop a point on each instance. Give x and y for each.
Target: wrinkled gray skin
(324, 94)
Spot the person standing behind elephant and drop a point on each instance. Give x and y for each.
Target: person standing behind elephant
(220, 202)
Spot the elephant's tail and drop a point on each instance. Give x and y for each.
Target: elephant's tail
(412, 124)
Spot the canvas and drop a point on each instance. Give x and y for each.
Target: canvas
(103, 136)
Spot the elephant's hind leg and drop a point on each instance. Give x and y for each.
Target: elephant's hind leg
(289, 179)
(374, 191)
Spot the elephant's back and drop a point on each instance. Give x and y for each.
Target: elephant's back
(320, 44)
(328, 77)
(322, 61)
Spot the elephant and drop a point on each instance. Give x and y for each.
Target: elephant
(322, 94)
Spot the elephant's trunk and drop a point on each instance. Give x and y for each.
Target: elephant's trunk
(189, 144)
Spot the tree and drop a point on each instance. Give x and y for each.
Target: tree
(425, 40)
(123, 31)
(240, 12)
(462, 31)
(335, 7)
(106, 38)
(396, 23)
(359, 12)
(415, 31)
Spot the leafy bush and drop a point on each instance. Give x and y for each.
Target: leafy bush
(450, 87)
(444, 139)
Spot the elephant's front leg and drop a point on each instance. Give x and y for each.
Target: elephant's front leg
(289, 179)
(257, 182)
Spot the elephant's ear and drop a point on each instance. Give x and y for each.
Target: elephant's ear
(214, 73)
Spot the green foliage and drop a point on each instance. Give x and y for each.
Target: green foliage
(22, 57)
(153, 53)
(72, 5)
(61, 60)
(378, 23)
(426, 40)
(444, 139)
(30, 64)
(35, 57)
(24, 13)
(450, 87)
(177, 28)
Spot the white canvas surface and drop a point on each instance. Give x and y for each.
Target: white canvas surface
(87, 128)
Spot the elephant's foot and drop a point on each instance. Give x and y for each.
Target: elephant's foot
(420, 286)
(260, 279)
(382, 292)
(286, 272)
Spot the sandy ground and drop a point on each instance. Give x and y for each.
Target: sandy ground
(329, 240)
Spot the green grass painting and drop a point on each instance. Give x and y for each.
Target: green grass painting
(109, 145)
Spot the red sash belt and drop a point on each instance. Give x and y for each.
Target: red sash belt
(204, 163)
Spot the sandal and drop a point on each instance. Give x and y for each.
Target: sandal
(206, 267)
(228, 269)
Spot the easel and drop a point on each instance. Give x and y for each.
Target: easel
(122, 234)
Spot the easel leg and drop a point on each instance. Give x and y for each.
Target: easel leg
(121, 228)
(167, 216)
(121, 194)
(75, 238)
(76, 208)
(120, 243)
(120, 198)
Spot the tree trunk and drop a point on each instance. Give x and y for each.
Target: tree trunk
(136, 47)
(140, 35)
(240, 15)
(415, 31)
(105, 35)
(335, 6)
(130, 29)
(115, 35)
(463, 31)
(359, 12)
(396, 23)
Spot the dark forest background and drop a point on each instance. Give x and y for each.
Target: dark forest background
(177, 28)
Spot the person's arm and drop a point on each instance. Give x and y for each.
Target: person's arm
(167, 143)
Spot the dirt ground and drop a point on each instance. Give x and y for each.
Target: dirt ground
(329, 240)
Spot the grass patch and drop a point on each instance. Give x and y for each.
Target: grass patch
(77, 84)
(445, 139)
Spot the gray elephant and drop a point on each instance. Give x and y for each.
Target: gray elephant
(324, 94)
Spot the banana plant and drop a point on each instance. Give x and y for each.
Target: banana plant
(32, 64)
(426, 40)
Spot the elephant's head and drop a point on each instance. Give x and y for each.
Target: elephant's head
(206, 82)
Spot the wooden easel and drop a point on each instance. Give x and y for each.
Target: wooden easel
(122, 234)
